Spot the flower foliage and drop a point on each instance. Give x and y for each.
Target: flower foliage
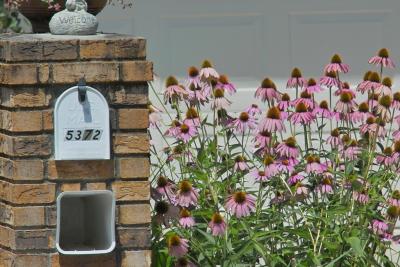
(308, 182)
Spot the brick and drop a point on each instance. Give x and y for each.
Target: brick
(47, 119)
(27, 193)
(6, 214)
(21, 121)
(134, 237)
(96, 186)
(134, 168)
(33, 260)
(136, 71)
(7, 237)
(125, 143)
(6, 258)
(129, 95)
(107, 260)
(34, 239)
(141, 258)
(22, 170)
(134, 214)
(51, 215)
(88, 169)
(43, 73)
(28, 216)
(129, 191)
(94, 72)
(56, 50)
(125, 48)
(133, 118)
(18, 74)
(22, 146)
(24, 97)
(70, 187)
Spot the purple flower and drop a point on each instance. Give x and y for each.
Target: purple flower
(379, 227)
(240, 164)
(295, 178)
(253, 110)
(314, 165)
(187, 195)
(186, 220)
(272, 122)
(217, 225)
(207, 71)
(259, 175)
(336, 65)
(361, 197)
(244, 122)
(186, 132)
(296, 80)
(267, 91)
(177, 246)
(224, 83)
(241, 204)
(382, 59)
(312, 87)
(334, 139)
(288, 148)
(302, 115)
(220, 102)
(193, 78)
(329, 80)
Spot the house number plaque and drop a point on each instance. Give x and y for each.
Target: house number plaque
(82, 127)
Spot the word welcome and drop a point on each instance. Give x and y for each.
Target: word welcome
(77, 19)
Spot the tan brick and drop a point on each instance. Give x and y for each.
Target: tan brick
(134, 168)
(88, 169)
(60, 50)
(141, 258)
(133, 118)
(128, 214)
(27, 193)
(126, 48)
(70, 187)
(28, 216)
(129, 94)
(7, 237)
(21, 169)
(134, 237)
(6, 258)
(24, 97)
(43, 73)
(21, 121)
(94, 72)
(96, 186)
(34, 239)
(38, 145)
(126, 143)
(33, 260)
(16, 74)
(47, 120)
(6, 214)
(136, 71)
(128, 191)
(107, 260)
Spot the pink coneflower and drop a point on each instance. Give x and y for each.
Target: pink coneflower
(267, 91)
(362, 87)
(177, 246)
(262, 139)
(273, 121)
(154, 115)
(387, 158)
(385, 88)
(336, 65)
(184, 262)
(374, 82)
(165, 187)
(345, 88)
(241, 204)
(346, 103)
(302, 115)
(296, 80)
(395, 199)
(379, 227)
(253, 110)
(323, 111)
(312, 87)
(217, 225)
(353, 151)
(187, 195)
(382, 109)
(301, 190)
(396, 148)
(207, 71)
(240, 164)
(259, 176)
(305, 98)
(396, 101)
(220, 102)
(244, 122)
(382, 59)
(270, 168)
(186, 132)
(198, 94)
(224, 83)
(361, 197)
(286, 164)
(314, 165)
(192, 117)
(193, 77)
(358, 115)
(329, 80)
(186, 220)
(284, 103)
(173, 91)
(165, 212)
(334, 139)
(326, 185)
(295, 178)
(288, 148)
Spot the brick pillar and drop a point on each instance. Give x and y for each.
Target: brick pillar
(34, 70)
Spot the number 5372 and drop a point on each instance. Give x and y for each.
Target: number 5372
(83, 134)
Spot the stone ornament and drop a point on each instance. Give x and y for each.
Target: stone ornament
(74, 20)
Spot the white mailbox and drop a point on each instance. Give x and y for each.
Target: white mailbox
(81, 125)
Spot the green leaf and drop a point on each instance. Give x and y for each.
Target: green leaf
(355, 244)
